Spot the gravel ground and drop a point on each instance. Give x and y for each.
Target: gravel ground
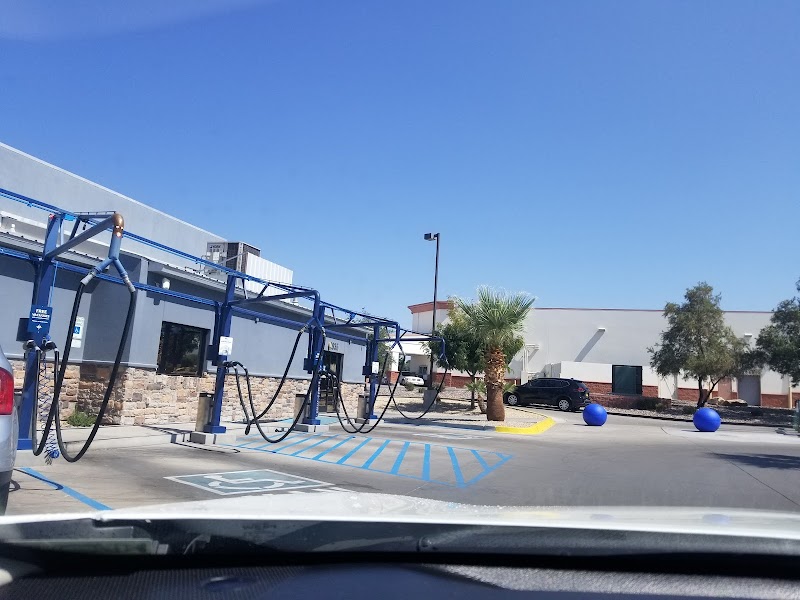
(738, 417)
(456, 410)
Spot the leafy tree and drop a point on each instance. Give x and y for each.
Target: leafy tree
(698, 344)
(778, 344)
(509, 386)
(463, 349)
(497, 319)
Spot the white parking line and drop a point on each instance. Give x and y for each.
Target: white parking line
(256, 481)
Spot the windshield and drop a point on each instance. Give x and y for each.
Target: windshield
(270, 251)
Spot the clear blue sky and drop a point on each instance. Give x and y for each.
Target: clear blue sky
(594, 154)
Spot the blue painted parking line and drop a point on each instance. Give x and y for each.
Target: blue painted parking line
(480, 459)
(456, 468)
(301, 439)
(375, 455)
(346, 457)
(400, 458)
(314, 445)
(67, 490)
(436, 463)
(334, 447)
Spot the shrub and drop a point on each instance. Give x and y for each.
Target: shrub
(656, 404)
(478, 386)
(687, 410)
(81, 419)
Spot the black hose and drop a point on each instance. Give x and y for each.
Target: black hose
(36, 448)
(54, 414)
(427, 410)
(280, 385)
(236, 366)
(362, 429)
(356, 428)
(314, 381)
(50, 416)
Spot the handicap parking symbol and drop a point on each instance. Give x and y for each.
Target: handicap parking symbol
(257, 481)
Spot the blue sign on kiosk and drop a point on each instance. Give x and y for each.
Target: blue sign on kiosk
(39, 320)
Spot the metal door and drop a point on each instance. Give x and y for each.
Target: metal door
(750, 389)
(328, 391)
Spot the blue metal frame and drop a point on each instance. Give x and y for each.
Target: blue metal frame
(44, 278)
(372, 349)
(313, 362)
(222, 328)
(45, 273)
(90, 220)
(373, 377)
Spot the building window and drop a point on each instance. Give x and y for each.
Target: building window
(626, 379)
(181, 349)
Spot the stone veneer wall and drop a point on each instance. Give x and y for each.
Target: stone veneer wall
(143, 397)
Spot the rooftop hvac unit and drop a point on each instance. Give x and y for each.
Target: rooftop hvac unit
(237, 255)
(216, 252)
(233, 255)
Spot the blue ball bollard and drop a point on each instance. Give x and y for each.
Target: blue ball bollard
(594, 415)
(706, 419)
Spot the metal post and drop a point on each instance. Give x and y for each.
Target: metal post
(373, 378)
(43, 281)
(221, 329)
(434, 236)
(313, 363)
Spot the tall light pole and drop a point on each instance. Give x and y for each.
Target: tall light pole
(431, 237)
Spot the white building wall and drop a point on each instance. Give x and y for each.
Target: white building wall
(422, 322)
(268, 270)
(606, 336)
(585, 343)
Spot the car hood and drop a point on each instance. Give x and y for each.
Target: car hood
(387, 508)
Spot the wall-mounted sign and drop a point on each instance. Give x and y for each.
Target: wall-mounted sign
(77, 332)
(333, 346)
(225, 345)
(39, 320)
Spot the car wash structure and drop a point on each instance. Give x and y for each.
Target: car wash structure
(44, 380)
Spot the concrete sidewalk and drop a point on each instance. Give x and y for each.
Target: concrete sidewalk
(115, 436)
(516, 421)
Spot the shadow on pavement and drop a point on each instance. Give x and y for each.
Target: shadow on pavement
(765, 461)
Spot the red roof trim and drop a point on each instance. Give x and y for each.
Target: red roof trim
(428, 306)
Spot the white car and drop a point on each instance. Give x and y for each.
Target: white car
(409, 379)
(9, 427)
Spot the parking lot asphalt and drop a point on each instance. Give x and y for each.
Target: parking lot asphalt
(628, 461)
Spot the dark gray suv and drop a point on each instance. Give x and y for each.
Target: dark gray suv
(566, 394)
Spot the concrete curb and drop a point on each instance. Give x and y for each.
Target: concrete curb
(535, 429)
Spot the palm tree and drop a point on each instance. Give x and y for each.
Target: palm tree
(498, 319)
